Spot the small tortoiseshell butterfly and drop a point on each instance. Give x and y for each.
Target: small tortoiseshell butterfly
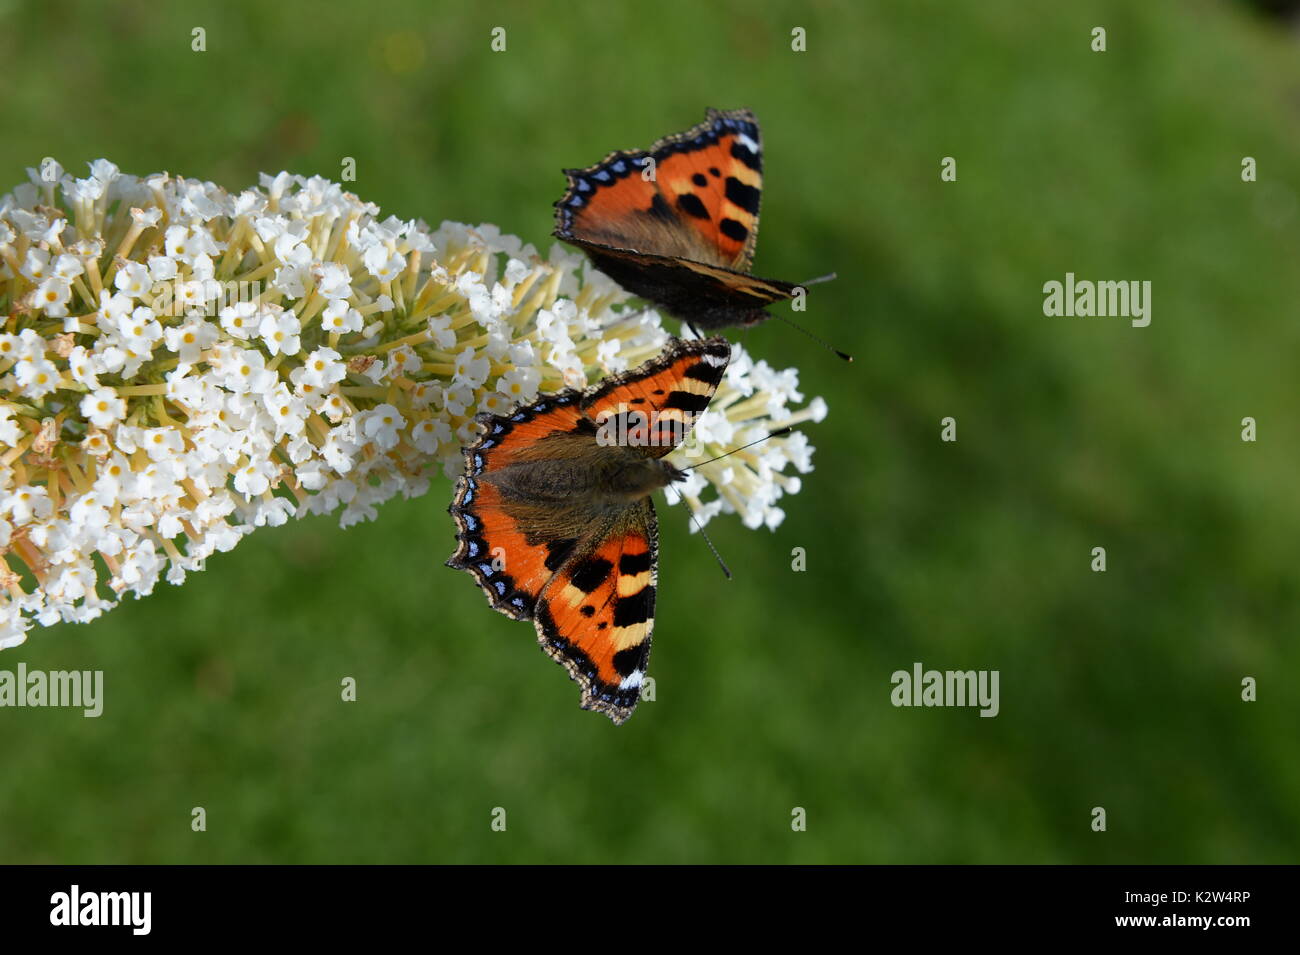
(680, 231)
(554, 517)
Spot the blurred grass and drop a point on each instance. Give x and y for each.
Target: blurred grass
(1118, 690)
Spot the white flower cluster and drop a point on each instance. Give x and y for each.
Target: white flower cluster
(749, 405)
(180, 364)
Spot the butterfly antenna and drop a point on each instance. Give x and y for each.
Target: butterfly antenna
(819, 341)
(778, 433)
(828, 277)
(716, 556)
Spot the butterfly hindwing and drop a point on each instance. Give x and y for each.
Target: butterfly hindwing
(708, 296)
(596, 615)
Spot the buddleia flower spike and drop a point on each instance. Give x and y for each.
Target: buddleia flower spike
(180, 365)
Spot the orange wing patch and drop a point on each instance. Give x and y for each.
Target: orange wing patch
(489, 544)
(596, 615)
(717, 191)
(663, 397)
(702, 204)
(510, 438)
(612, 204)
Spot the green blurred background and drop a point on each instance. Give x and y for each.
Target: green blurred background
(1118, 689)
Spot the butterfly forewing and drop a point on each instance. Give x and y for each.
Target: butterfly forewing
(509, 564)
(711, 176)
(694, 195)
(662, 399)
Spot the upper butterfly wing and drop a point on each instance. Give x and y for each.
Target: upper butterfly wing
(700, 204)
(712, 176)
(595, 616)
(662, 398)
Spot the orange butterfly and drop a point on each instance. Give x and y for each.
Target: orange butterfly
(677, 225)
(554, 518)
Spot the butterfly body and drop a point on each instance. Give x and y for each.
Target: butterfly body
(555, 520)
(677, 224)
(578, 485)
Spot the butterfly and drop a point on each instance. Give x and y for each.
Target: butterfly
(554, 518)
(677, 224)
